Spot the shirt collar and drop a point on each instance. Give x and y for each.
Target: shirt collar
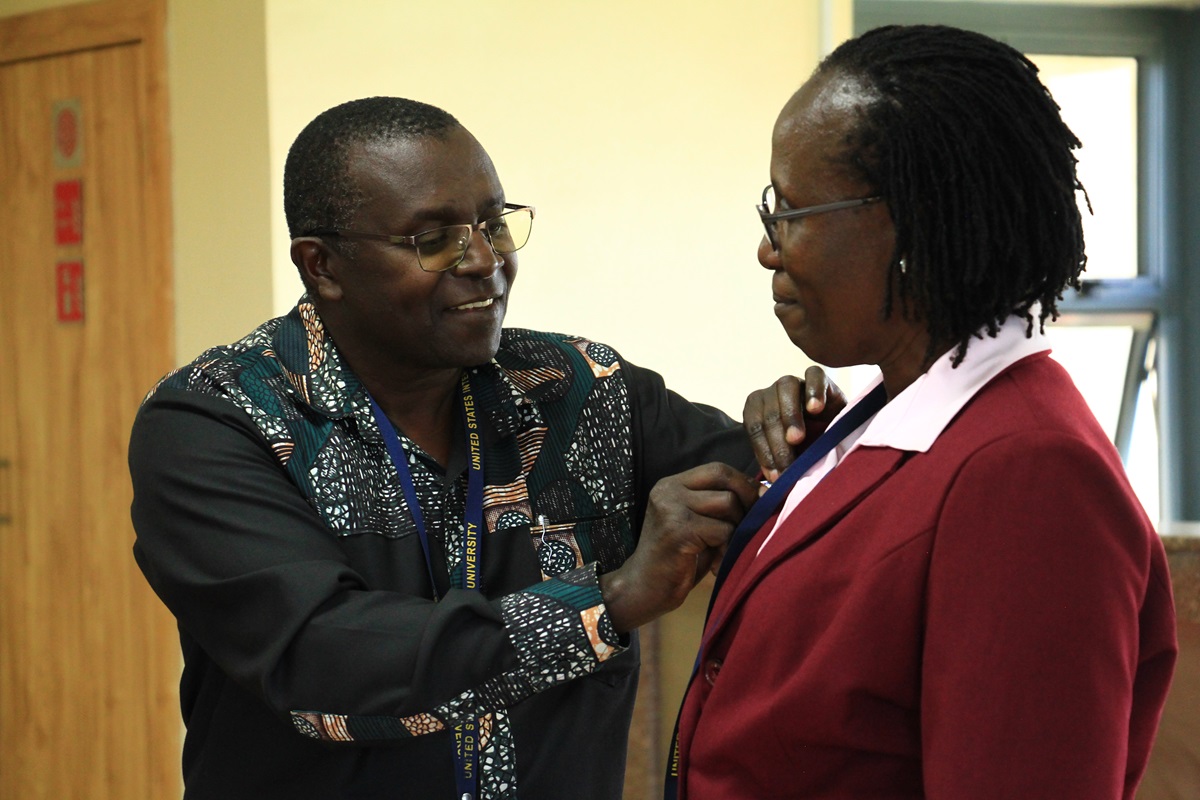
(917, 416)
(314, 367)
(312, 363)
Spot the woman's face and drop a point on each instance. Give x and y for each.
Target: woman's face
(831, 270)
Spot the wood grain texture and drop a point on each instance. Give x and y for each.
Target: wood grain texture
(644, 765)
(1174, 769)
(88, 657)
(83, 26)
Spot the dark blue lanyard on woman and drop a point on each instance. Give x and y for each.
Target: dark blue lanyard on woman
(762, 510)
(468, 576)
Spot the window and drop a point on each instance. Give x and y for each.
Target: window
(1107, 356)
(1122, 77)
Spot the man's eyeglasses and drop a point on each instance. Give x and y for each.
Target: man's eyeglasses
(770, 217)
(444, 248)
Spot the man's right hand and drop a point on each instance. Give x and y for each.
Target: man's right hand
(689, 519)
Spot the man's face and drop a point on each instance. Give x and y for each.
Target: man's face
(386, 310)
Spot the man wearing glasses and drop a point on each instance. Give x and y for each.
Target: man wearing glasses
(401, 541)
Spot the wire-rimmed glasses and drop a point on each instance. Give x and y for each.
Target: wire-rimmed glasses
(444, 248)
(770, 217)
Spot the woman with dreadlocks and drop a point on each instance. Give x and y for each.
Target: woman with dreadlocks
(960, 596)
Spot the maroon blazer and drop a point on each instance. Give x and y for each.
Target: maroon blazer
(990, 619)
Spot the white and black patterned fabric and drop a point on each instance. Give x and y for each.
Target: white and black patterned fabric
(271, 522)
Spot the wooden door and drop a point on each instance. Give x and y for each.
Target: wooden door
(88, 657)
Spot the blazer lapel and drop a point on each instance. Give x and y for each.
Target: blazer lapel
(830, 501)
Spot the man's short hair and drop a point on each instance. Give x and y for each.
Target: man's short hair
(317, 190)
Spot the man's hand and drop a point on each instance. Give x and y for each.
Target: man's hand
(689, 520)
(788, 413)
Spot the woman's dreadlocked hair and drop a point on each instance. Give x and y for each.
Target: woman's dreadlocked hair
(969, 150)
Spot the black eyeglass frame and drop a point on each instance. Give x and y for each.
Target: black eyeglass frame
(411, 241)
(769, 219)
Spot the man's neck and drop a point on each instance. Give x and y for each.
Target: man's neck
(421, 401)
(422, 407)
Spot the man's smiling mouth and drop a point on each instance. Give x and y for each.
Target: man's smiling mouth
(473, 305)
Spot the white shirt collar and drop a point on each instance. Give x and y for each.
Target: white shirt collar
(916, 417)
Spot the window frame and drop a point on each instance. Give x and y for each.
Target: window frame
(1166, 291)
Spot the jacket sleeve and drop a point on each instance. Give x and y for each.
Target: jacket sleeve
(254, 576)
(672, 434)
(1041, 566)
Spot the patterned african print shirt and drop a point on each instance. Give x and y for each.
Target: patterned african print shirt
(271, 521)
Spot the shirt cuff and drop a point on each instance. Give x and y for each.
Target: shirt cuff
(560, 627)
(561, 631)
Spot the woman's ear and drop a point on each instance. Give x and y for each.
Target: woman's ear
(311, 255)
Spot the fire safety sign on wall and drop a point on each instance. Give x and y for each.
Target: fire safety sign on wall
(68, 212)
(68, 134)
(67, 144)
(69, 284)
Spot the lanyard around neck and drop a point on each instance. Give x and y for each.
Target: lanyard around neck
(758, 515)
(767, 505)
(468, 575)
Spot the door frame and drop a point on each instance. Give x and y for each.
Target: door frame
(88, 26)
(76, 28)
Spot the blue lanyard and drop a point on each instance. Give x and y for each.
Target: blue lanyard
(468, 576)
(752, 523)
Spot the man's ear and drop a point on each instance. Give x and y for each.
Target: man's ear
(318, 270)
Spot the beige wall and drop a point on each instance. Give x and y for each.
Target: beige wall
(220, 177)
(641, 131)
